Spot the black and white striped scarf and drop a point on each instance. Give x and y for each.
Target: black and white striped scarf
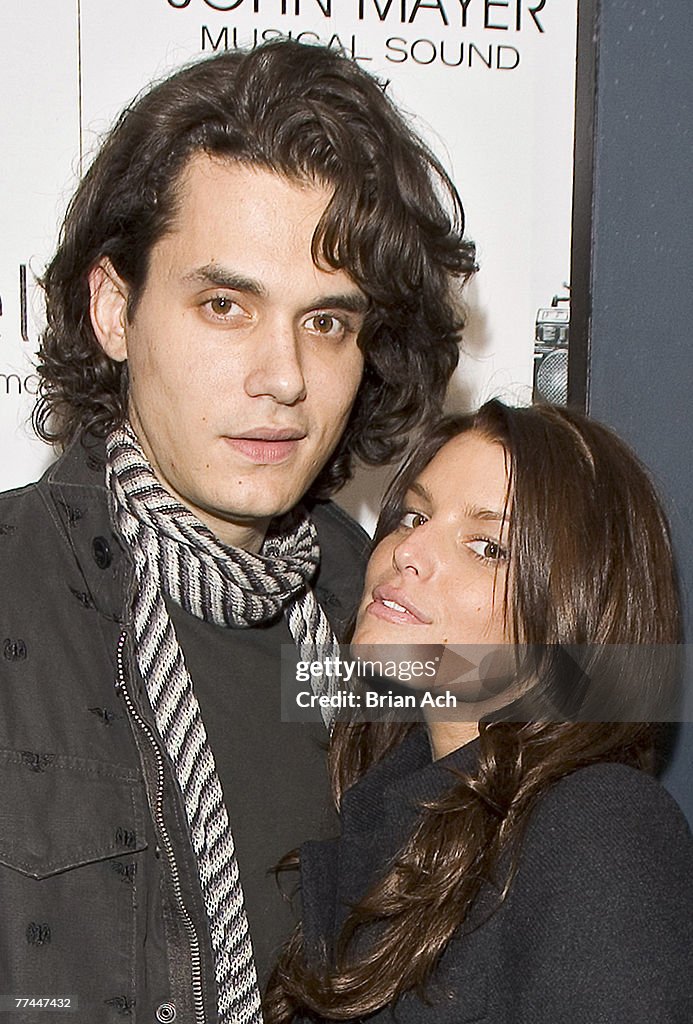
(175, 554)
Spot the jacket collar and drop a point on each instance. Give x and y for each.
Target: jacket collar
(74, 489)
(378, 815)
(392, 793)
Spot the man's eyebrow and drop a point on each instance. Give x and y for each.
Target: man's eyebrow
(215, 275)
(350, 302)
(222, 277)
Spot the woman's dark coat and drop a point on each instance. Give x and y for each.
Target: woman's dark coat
(598, 924)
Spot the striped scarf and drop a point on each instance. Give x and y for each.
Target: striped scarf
(175, 554)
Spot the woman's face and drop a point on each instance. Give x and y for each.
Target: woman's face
(440, 577)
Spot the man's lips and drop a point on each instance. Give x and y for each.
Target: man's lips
(266, 445)
(391, 605)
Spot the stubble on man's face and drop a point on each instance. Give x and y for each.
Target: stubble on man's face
(242, 354)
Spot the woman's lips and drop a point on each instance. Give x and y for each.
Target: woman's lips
(392, 606)
(266, 450)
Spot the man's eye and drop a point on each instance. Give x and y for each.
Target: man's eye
(325, 323)
(222, 305)
(410, 520)
(488, 550)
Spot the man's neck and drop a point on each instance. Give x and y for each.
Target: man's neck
(249, 537)
(248, 534)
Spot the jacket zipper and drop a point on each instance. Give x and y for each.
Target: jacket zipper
(195, 957)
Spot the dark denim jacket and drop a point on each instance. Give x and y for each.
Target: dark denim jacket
(99, 895)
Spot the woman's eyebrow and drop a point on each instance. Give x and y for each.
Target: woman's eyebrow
(420, 491)
(484, 514)
(476, 512)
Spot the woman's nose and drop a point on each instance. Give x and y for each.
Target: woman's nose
(415, 554)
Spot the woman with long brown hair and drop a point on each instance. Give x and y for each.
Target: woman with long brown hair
(525, 871)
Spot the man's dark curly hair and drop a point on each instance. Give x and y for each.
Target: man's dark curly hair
(394, 223)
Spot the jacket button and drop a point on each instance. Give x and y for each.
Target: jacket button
(38, 934)
(14, 650)
(166, 1013)
(101, 551)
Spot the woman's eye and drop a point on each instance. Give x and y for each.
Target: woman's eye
(489, 550)
(410, 520)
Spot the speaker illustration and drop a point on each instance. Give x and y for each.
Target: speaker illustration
(551, 352)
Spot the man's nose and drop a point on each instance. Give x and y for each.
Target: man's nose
(276, 368)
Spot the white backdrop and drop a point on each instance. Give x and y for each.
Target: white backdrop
(490, 84)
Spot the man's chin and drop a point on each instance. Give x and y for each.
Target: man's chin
(262, 490)
(253, 511)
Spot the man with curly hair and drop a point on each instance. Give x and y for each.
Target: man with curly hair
(252, 288)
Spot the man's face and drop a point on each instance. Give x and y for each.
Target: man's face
(242, 354)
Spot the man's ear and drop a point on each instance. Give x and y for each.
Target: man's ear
(108, 309)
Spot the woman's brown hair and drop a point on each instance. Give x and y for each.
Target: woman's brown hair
(590, 564)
